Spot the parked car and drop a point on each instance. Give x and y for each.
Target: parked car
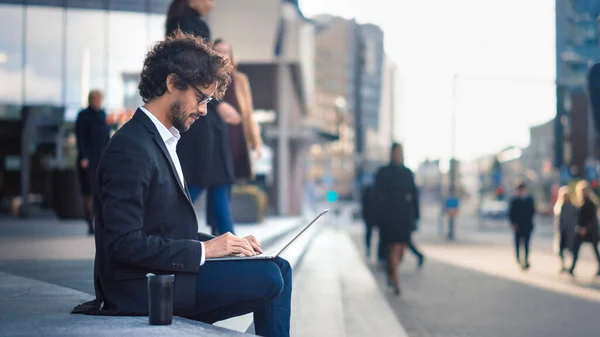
(493, 209)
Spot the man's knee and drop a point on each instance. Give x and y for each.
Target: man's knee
(283, 265)
(273, 279)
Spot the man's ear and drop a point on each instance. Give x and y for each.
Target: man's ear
(170, 83)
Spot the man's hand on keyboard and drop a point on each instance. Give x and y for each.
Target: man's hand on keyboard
(229, 244)
(254, 243)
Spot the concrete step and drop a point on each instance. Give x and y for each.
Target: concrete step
(33, 308)
(335, 294)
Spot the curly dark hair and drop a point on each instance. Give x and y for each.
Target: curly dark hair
(193, 62)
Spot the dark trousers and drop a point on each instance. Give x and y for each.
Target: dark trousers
(233, 288)
(577, 245)
(381, 248)
(382, 251)
(86, 183)
(522, 237)
(415, 250)
(218, 207)
(368, 236)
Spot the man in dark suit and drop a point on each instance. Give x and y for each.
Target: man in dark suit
(521, 213)
(92, 134)
(145, 219)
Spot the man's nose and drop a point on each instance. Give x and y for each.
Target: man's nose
(202, 109)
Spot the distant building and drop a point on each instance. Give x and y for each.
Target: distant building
(577, 49)
(336, 93)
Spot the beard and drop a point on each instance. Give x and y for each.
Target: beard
(179, 117)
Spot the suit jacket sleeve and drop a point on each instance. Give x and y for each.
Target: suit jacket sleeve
(125, 183)
(205, 237)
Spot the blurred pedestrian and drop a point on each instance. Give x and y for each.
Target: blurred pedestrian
(244, 132)
(521, 213)
(204, 150)
(565, 220)
(91, 134)
(369, 214)
(187, 15)
(587, 224)
(397, 210)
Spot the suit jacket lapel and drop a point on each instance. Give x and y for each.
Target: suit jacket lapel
(159, 141)
(141, 116)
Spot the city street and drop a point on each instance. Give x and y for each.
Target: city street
(473, 287)
(469, 287)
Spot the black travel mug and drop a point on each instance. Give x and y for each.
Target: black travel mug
(160, 299)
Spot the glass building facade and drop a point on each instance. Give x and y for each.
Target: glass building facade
(52, 53)
(577, 50)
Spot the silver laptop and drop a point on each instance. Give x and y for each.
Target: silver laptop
(271, 254)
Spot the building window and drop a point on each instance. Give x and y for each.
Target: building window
(127, 53)
(11, 45)
(86, 55)
(43, 64)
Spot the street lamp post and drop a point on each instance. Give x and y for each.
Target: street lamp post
(452, 195)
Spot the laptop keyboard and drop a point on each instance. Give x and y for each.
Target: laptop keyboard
(266, 254)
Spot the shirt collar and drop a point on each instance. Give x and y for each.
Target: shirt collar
(165, 134)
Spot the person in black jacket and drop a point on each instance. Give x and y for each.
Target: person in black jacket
(187, 16)
(521, 213)
(91, 134)
(205, 150)
(397, 210)
(146, 220)
(369, 214)
(587, 224)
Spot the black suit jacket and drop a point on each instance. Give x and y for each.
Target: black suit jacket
(145, 223)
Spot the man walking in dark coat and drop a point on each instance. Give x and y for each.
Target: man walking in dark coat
(92, 134)
(521, 212)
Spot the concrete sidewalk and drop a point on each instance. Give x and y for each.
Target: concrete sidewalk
(334, 293)
(472, 289)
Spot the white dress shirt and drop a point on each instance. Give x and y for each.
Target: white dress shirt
(171, 136)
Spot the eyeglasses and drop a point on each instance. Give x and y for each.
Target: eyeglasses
(202, 97)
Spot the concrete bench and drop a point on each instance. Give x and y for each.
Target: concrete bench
(29, 307)
(33, 308)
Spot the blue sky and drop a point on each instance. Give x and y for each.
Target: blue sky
(503, 53)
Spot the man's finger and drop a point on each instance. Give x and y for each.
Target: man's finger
(249, 246)
(253, 238)
(240, 250)
(244, 247)
(256, 245)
